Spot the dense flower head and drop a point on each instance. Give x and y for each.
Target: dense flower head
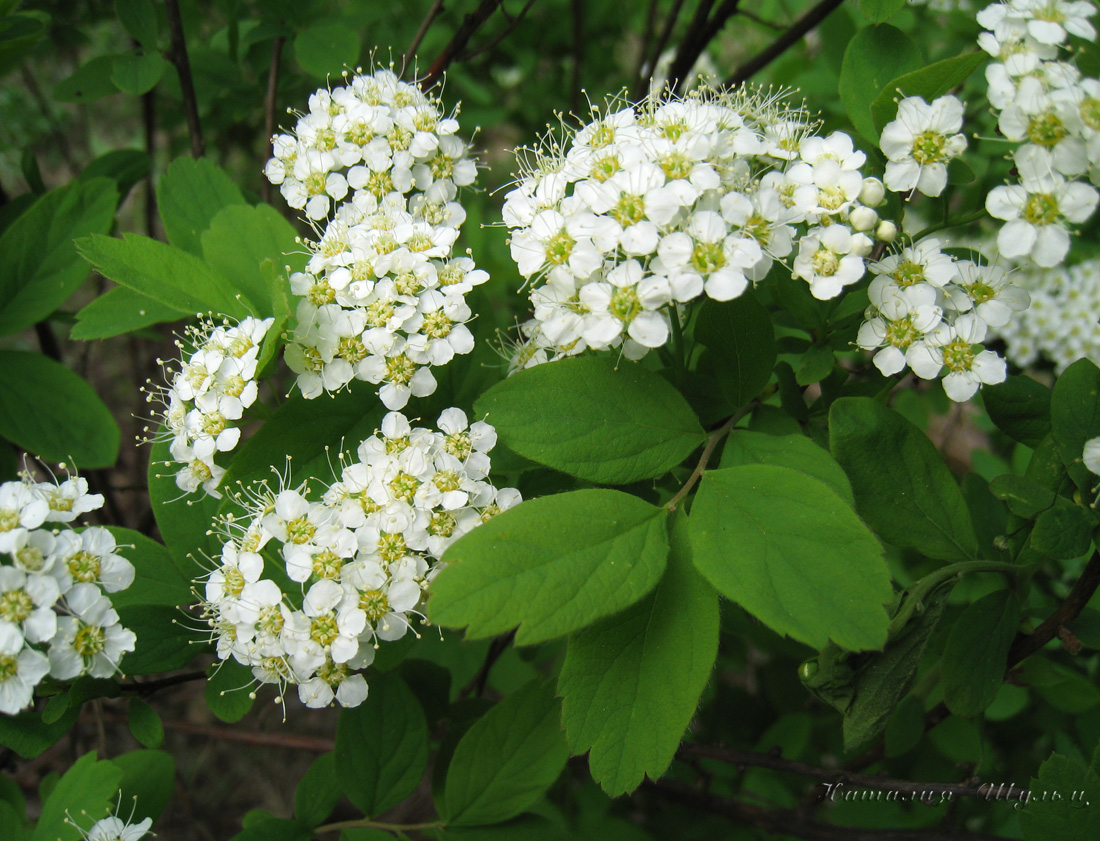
(208, 389)
(920, 143)
(649, 206)
(382, 298)
(360, 556)
(56, 616)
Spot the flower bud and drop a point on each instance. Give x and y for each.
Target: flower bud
(862, 218)
(872, 193)
(886, 231)
(862, 245)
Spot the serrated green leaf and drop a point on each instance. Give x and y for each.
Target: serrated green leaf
(318, 791)
(902, 487)
(120, 310)
(608, 550)
(741, 339)
(929, 82)
(91, 81)
(976, 653)
(593, 418)
(140, 20)
(145, 724)
(1075, 409)
(163, 642)
(164, 273)
(795, 451)
(630, 683)
(874, 56)
(189, 196)
(137, 73)
(157, 579)
(48, 410)
(506, 760)
(41, 268)
(1020, 407)
(326, 48)
(89, 786)
(148, 781)
(751, 531)
(228, 690)
(382, 746)
(1064, 802)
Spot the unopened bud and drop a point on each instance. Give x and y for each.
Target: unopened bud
(872, 192)
(862, 218)
(862, 245)
(886, 231)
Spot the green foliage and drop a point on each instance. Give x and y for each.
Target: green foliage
(880, 11)
(326, 48)
(607, 422)
(1020, 407)
(148, 781)
(158, 580)
(145, 724)
(609, 550)
(630, 683)
(88, 787)
(974, 658)
(1063, 802)
(118, 311)
(874, 56)
(189, 196)
(318, 792)
(1075, 409)
(741, 341)
(929, 82)
(794, 451)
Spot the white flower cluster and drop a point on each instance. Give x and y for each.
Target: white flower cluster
(55, 616)
(214, 386)
(651, 206)
(359, 558)
(1061, 323)
(1053, 113)
(919, 144)
(932, 312)
(115, 829)
(383, 297)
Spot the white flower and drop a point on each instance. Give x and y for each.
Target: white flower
(69, 499)
(21, 669)
(20, 509)
(903, 317)
(90, 640)
(952, 346)
(115, 829)
(920, 142)
(824, 261)
(1091, 456)
(26, 602)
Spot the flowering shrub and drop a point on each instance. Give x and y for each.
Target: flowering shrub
(791, 463)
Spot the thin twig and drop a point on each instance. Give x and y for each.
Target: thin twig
(470, 24)
(757, 19)
(644, 48)
(708, 451)
(149, 123)
(177, 54)
(781, 44)
(148, 687)
(410, 53)
(269, 108)
(500, 36)
(658, 48)
(676, 70)
(478, 682)
(368, 824)
(274, 739)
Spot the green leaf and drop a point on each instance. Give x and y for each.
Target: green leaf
(28, 735)
(1023, 496)
(741, 339)
(137, 72)
(607, 550)
(1020, 408)
(19, 34)
(630, 683)
(1075, 409)
(1064, 802)
(158, 580)
(382, 746)
(163, 642)
(1063, 531)
(148, 781)
(527, 827)
(795, 451)
(120, 310)
(145, 724)
(41, 268)
(506, 760)
(752, 529)
(89, 786)
(594, 419)
(880, 11)
(327, 48)
(905, 728)
(874, 56)
(183, 522)
(318, 791)
(140, 20)
(123, 166)
(817, 363)
(11, 823)
(902, 488)
(48, 410)
(240, 238)
(929, 82)
(229, 691)
(164, 273)
(976, 653)
(90, 82)
(189, 196)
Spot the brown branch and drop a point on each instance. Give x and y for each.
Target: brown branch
(791, 823)
(470, 24)
(421, 31)
(920, 791)
(276, 739)
(148, 687)
(702, 29)
(708, 451)
(644, 47)
(177, 54)
(149, 123)
(659, 47)
(500, 36)
(496, 648)
(781, 44)
(269, 107)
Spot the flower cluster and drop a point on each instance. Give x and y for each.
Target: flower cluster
(360, 557)
(55, 616)
(213, 387)
(653, 205)
(382, 298)
(931, 312)
(920, 143)
(1061, 323)
(1053, 113)
(113, 828)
